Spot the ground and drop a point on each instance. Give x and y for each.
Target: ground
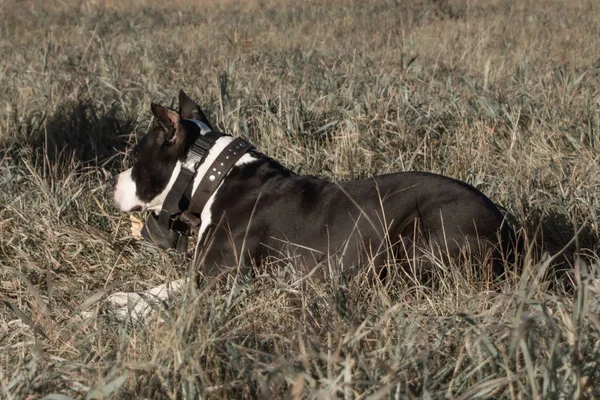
(503, 95)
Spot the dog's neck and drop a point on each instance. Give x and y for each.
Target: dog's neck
(212, 155)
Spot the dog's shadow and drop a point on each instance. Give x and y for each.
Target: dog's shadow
(77, 134)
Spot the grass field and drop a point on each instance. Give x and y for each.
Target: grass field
(503, 95)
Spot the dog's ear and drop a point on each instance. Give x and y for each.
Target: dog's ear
(188, 109)
(171, 130)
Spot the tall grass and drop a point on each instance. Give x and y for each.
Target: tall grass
(503, 95)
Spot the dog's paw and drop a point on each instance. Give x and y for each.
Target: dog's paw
(133, 306)
(138, 306)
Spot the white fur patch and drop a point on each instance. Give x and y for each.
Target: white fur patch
(125, 192)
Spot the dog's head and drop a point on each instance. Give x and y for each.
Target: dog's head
(158, 156)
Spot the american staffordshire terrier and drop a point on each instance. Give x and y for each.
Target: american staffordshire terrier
(248, 208)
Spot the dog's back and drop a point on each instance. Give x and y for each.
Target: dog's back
(355, 222)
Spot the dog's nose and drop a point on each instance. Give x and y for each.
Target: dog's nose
(113, 181)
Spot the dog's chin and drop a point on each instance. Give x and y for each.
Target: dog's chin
(138, 206)
(126, 206)
(131, 209)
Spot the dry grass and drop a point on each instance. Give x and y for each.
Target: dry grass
(504, 95)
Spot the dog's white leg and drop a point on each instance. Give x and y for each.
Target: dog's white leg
(140, 305)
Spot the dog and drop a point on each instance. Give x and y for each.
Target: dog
(261, 210)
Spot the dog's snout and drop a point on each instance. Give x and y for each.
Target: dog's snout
(113, 181)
